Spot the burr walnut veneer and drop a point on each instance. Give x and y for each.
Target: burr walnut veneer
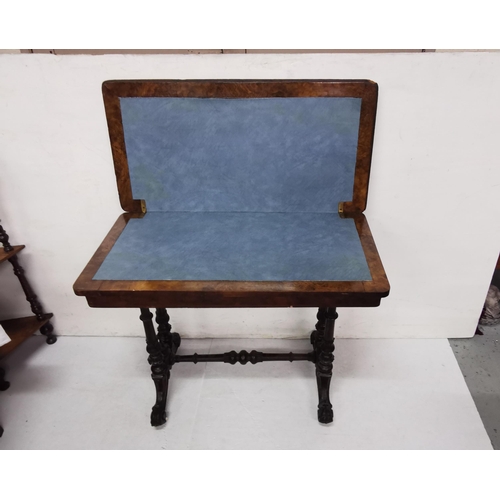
(238, 193)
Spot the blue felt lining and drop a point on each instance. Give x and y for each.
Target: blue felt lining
(252, 154)
(237, 246)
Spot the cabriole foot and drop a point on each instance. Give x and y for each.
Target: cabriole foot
(158, 416)
(325, 414)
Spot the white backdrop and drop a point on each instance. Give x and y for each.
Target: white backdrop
(433, 207)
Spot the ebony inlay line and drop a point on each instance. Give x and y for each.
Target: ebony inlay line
(244, 357)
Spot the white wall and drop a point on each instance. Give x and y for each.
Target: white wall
(434, 194)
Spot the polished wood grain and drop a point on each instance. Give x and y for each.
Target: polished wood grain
(364, 154)
(154, 294)
(84, 284)
(379, 283)
(364, 89)
(8, 255)
(20, 329)
(117, 138)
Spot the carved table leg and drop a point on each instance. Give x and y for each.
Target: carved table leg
(324, 348)
(166, 337)
(160, 372)
(4, 385)
(318, 334)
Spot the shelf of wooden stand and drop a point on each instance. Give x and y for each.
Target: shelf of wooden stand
(19, 330)
(7, 255)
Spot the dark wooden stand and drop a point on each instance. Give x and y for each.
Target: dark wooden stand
(20, 329)
(162, 349)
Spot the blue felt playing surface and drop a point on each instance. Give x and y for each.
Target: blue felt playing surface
(237, 246)
(240, 190)
(241, 155)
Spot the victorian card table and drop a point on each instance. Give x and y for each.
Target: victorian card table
(238, 193)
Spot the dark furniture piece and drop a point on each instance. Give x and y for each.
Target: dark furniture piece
(238, 194)
(19, 329)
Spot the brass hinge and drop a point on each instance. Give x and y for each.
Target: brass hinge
(143, 207)
(341, 209)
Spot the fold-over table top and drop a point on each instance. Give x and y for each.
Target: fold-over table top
(232, 189)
